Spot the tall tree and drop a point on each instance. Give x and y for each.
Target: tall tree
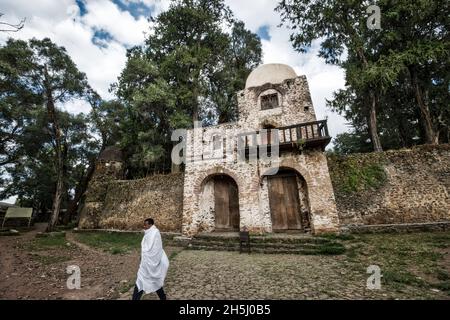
(101, 130)
(396, 77)
(339, 26)
(413, 47)
(51, 78)
(193, 62)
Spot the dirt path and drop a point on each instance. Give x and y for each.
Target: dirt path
(27, 274)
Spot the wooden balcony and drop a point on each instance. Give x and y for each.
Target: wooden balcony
(297, 137)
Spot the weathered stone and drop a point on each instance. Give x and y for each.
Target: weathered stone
(416, 188)
(405, 188)
(204, 161)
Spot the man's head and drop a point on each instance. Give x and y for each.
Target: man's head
(148, 223)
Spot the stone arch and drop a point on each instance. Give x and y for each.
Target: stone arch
(259, 90)
(205, 176)
(300, 218)
(289, 164)
(269, 124)
(226, 215)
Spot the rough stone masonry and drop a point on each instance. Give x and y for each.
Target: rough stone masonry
(221, 191)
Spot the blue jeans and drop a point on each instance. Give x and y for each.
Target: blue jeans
(137, 295)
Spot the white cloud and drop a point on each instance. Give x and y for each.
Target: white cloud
(323, 79)
(105, 15)
(60, 21)
(77, 106)
(11, 200)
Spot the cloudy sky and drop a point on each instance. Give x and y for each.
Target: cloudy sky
(96, 34)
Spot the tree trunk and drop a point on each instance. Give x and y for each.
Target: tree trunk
(79, 191)
(374, 137)
(56, 207)
(430, 135)
(372, 123)
(58, 157)
(195, 104)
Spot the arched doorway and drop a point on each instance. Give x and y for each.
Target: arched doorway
(288, 200)
(226, 203)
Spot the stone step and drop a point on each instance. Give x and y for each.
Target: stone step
(302, 251)
(263, 239)
(196, 242)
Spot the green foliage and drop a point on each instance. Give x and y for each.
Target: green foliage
(335, 236)
(36, 76)
(394, 277)
(347, 143)
(301, 144)
(189, 69)
(444, 286)
(49, 242)
(112, 242)
(50, 259)
(353, 176)
(331, 249)
(398, 74)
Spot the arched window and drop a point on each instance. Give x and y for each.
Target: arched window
(269, 101)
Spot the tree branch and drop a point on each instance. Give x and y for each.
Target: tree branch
(11, 27)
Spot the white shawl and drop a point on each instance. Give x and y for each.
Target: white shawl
(154, 262)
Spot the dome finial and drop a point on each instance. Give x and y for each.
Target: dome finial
(274, 73)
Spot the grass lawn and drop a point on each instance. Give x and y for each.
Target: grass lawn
(56, 241)
(415, 259)
(415, 262)
(112, 242)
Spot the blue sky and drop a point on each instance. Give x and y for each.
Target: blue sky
(263, 32)
(97, 33)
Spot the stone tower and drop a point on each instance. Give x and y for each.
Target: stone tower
(109, 167)
(267, 171)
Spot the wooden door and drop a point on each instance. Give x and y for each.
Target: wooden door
(284, 202)
(226, 203)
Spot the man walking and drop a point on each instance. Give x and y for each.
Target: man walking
(154, 264)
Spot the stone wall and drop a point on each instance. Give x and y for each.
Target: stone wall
(388, 188)
(204, 161)
(129, 203)
(105, 173)
(394, 187)
(125, 204)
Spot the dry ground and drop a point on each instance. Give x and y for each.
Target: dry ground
(414, 266)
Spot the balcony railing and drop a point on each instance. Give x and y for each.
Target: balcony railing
(295, 137)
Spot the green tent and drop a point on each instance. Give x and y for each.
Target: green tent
(15, 212)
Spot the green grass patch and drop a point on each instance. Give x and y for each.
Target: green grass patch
(404, 259)
(393, 277)
(336, 236)
(442, 275)
(112, 242)
(331, 249)
(352, 176)
(125, 287)
(173, 255)
(48, 260)
(444, 286)
(48, 242)
(68, 226)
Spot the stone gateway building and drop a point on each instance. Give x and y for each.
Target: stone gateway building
(266, 172)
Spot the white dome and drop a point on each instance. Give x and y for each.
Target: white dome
(274, 73)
